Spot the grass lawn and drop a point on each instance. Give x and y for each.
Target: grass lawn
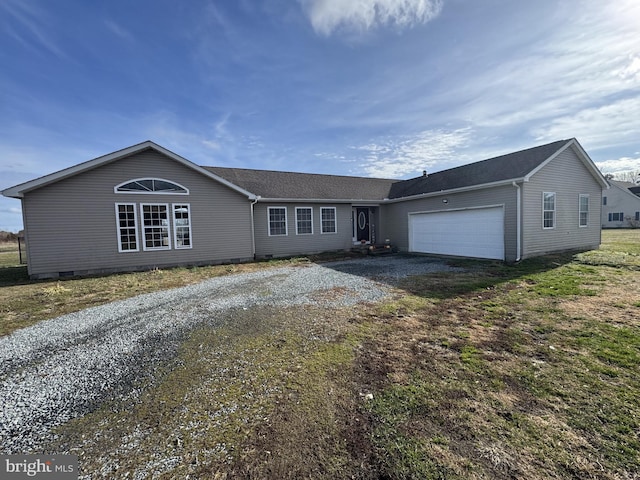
(529, 371)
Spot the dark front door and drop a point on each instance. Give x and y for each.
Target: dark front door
(362, 224)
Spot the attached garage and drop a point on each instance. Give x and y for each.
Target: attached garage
(474, 232)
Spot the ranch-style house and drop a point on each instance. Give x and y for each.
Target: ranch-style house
(144, 206)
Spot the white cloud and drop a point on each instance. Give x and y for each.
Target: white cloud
(10, 215)
(619, 165)
(328, 16)
(613, 124)
(631, 71)
(581, 79)
(11, 210)
(398, 158)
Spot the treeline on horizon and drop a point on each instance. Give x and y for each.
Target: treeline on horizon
(10, 236)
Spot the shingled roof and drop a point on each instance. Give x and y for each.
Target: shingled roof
(270, 184)
(505, 167)
(632, 187)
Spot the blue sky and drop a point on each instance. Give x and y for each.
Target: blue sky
(381, 88)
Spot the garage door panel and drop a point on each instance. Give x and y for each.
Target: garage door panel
(470, 233)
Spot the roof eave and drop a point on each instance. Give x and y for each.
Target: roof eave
(584, 157)
(18, 191)
(626, 191)
(320, 200)
(451, 191)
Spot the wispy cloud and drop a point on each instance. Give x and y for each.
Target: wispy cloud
(31, 27)
(119, 30)
(328, 16)
(577, 80)
(11, 210)
(599, 127)
(400, 157)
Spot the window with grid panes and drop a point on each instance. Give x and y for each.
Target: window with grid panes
(127, 227)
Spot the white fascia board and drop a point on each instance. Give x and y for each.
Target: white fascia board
(582, 155)
(625, 191)
(204, 172)
(586, 159)
(18, 191)
(320, 200)
(451, 191)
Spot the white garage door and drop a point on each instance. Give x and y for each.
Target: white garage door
(477, 232)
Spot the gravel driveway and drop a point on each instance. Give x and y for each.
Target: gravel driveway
(65, 367)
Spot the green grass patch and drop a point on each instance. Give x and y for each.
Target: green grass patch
(498, 371)
(263, 395)
(611, 344)
(512, 375)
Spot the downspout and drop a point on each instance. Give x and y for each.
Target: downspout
(253, 229)
(518, 221)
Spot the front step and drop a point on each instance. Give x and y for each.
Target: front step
(371, 249)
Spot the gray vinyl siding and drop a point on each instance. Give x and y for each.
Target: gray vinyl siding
(568, 177)
(293, 244)
(72, 223)
(396, 224)
(619, 201)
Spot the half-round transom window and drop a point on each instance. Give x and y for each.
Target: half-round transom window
(150, 185)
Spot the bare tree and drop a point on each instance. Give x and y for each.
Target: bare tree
(632, 176)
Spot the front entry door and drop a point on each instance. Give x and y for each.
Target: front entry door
(363, 231)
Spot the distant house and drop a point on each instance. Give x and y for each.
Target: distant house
(145, 206)
(621, 205)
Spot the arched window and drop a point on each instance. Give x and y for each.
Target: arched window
(151, 185)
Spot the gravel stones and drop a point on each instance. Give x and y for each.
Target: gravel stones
(65, 367)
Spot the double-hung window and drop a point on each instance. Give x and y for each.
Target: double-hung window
(584, 210)
(328, 220)
(127, 223)
(548, 210)
(277, 221)
(181, 225)
(304, 221)
(155, 226)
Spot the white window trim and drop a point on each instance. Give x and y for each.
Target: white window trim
(141, 192)
(335, 221)
(175, 226)
(580, 212)
(144, 237)
(304, 208)
(555, 197)
(286, 222)
(118, 228)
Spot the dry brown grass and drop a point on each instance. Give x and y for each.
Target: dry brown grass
(24, 302)
(502, 372)
(534, 376)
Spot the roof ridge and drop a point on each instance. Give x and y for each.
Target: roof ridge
(518, 152)
(303, 173)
